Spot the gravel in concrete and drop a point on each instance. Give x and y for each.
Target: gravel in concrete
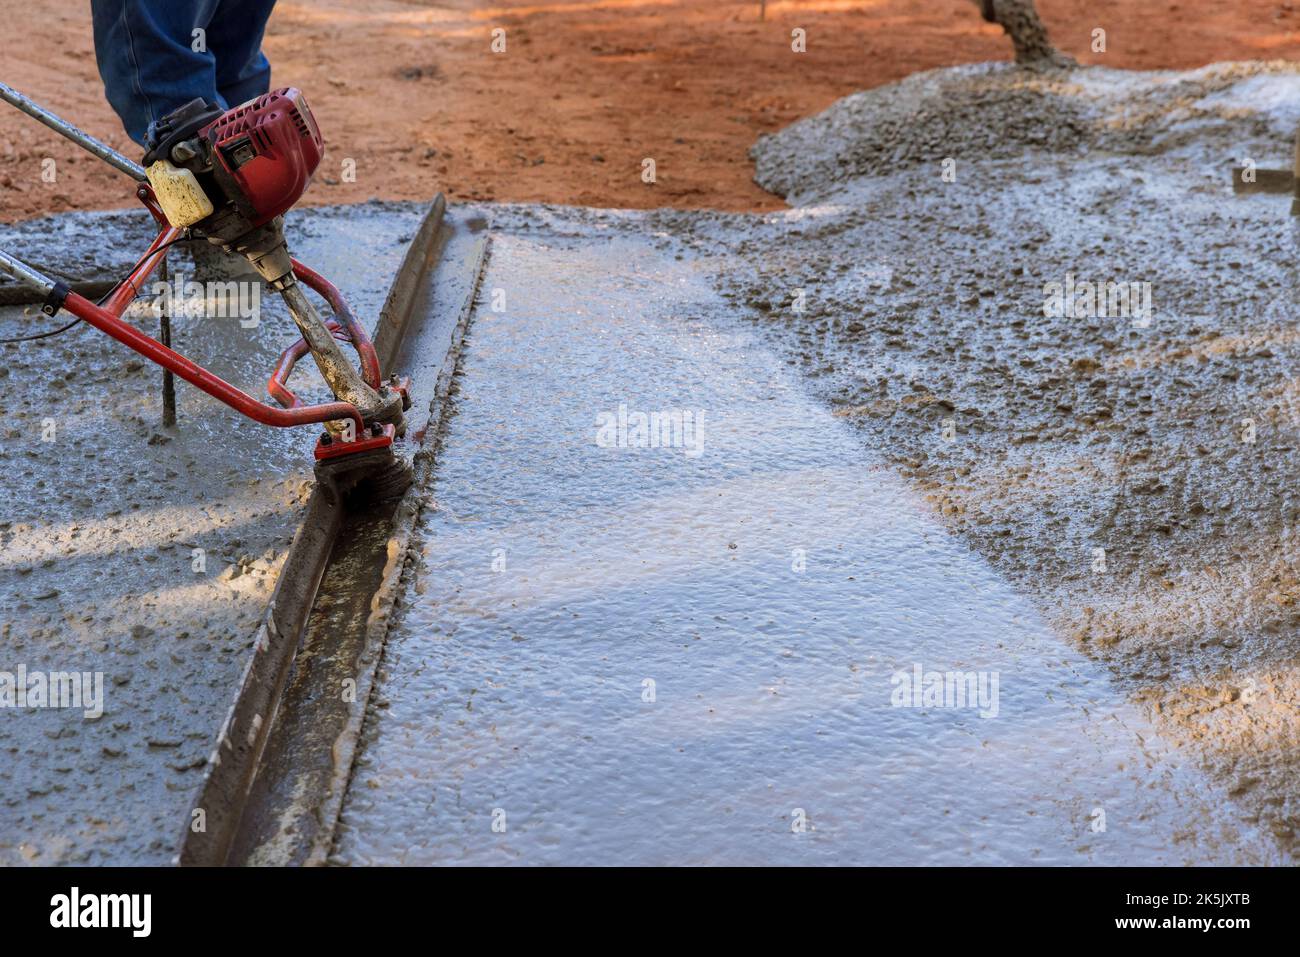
(1131, 472)
(104, 516)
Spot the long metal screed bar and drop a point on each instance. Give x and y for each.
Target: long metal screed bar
(61, 126)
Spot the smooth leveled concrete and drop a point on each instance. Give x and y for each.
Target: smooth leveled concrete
(691, 654)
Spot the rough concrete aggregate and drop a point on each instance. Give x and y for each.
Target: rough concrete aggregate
(1169, 444)
(99, 526)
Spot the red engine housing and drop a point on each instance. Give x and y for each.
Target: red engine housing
(264, 153)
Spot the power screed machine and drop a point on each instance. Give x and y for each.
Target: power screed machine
(228, 176)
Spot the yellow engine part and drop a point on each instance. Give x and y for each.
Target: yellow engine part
(179, 194)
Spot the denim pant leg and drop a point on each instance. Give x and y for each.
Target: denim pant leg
(146, 50)
(235, 38)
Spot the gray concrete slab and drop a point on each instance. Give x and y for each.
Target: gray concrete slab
(692, 654)
(98, 531)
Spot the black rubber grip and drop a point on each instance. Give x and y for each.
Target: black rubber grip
(57, 297)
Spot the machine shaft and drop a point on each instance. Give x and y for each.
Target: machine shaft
(61, 126)
(340, 374)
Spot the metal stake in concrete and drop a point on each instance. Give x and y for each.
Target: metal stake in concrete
(1278, 181)
(1295, 177)
(165, 337)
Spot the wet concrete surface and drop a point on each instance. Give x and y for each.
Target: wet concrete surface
(949, 459)
(99, 527)
(1129, 473)
(690, 653)
(292, 808)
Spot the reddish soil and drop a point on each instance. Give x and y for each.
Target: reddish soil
(412, 92)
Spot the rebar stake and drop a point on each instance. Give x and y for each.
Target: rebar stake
(165, 336)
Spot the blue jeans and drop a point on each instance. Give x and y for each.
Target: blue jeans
(151, 62)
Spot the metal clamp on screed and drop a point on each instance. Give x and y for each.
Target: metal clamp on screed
(58, 296)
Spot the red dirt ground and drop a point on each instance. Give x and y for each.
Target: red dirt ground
(412, 92)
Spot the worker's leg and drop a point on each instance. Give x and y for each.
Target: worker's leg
(235, 39)
(149, 58)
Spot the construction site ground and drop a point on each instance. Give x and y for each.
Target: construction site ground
(903, 456)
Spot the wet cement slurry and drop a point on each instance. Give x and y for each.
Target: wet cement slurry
(922, 304)
(101, 517)
(1127, 470)
(623, 655)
